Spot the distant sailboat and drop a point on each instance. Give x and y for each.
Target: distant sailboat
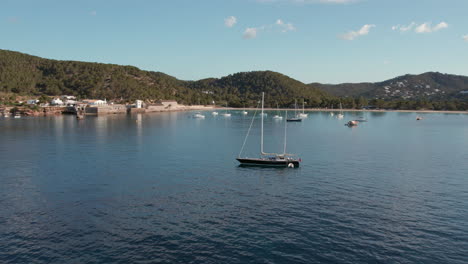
(244, 112)
(331, 113)
(214, 113)
(303, 114)
(296, 117)
(226, 114)
(199, 115)
(340, 115)
(277, 116)
(269, 159)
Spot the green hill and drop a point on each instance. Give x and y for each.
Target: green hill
(431, 85)
(29, 75)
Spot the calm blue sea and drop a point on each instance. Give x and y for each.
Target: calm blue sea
(166, 188)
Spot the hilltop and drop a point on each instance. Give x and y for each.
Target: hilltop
(30, 75)
(431, 85)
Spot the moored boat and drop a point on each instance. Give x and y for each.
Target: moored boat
(269, 159)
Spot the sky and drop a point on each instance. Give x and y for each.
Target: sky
(328, 41)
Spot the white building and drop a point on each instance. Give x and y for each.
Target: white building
(93, 102)
(138, 103)
(68, 97)
(32, 101)
(56, 101)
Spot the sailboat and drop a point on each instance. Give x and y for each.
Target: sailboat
(296, 117)
(340, 115)
(303, 114)
(198, 115)
(244, 112)
(226, 114)
(331, 113)
(277, 116)
(269, 159)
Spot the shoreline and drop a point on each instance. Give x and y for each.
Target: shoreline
(348, 110)
(214, 108)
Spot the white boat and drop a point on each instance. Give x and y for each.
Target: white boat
(198, 115)
(303, 114)
(277, 116)
(296, 117)
(226, 114)
(17, 115)
(332, 113)
(214, 113)
(244, 112)
(284, 159)
(340, 115)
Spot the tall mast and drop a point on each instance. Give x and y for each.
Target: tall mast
(285, 129)
(295, 107)
(261, 139)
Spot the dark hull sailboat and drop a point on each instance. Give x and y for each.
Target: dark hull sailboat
(269, 162)
(294, 119)
(269, 159)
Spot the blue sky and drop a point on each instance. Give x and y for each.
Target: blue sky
(330, 41)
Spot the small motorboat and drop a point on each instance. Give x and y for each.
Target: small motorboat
(419, 118)
(198, 115)
(17, 115)
(277, 117)
(352, 123)
(294, 119)
(214, 113)
(245, 112)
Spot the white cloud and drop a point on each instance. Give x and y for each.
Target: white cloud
(404, 28)
(420, 28)
(93, 13)
(250, 33)
(423, 28)
(285, 27)
(354, 34)
(465, 38)
(230, 21)
(440, 26)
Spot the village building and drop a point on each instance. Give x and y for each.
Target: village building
(56, 101)
(94, 102)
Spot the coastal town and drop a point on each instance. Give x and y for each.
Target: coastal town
(68, 104)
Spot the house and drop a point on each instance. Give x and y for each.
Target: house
(94, 102)
(56, 101)
(68, 97)
(32, 101)
(138, 104)
(70, 102)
